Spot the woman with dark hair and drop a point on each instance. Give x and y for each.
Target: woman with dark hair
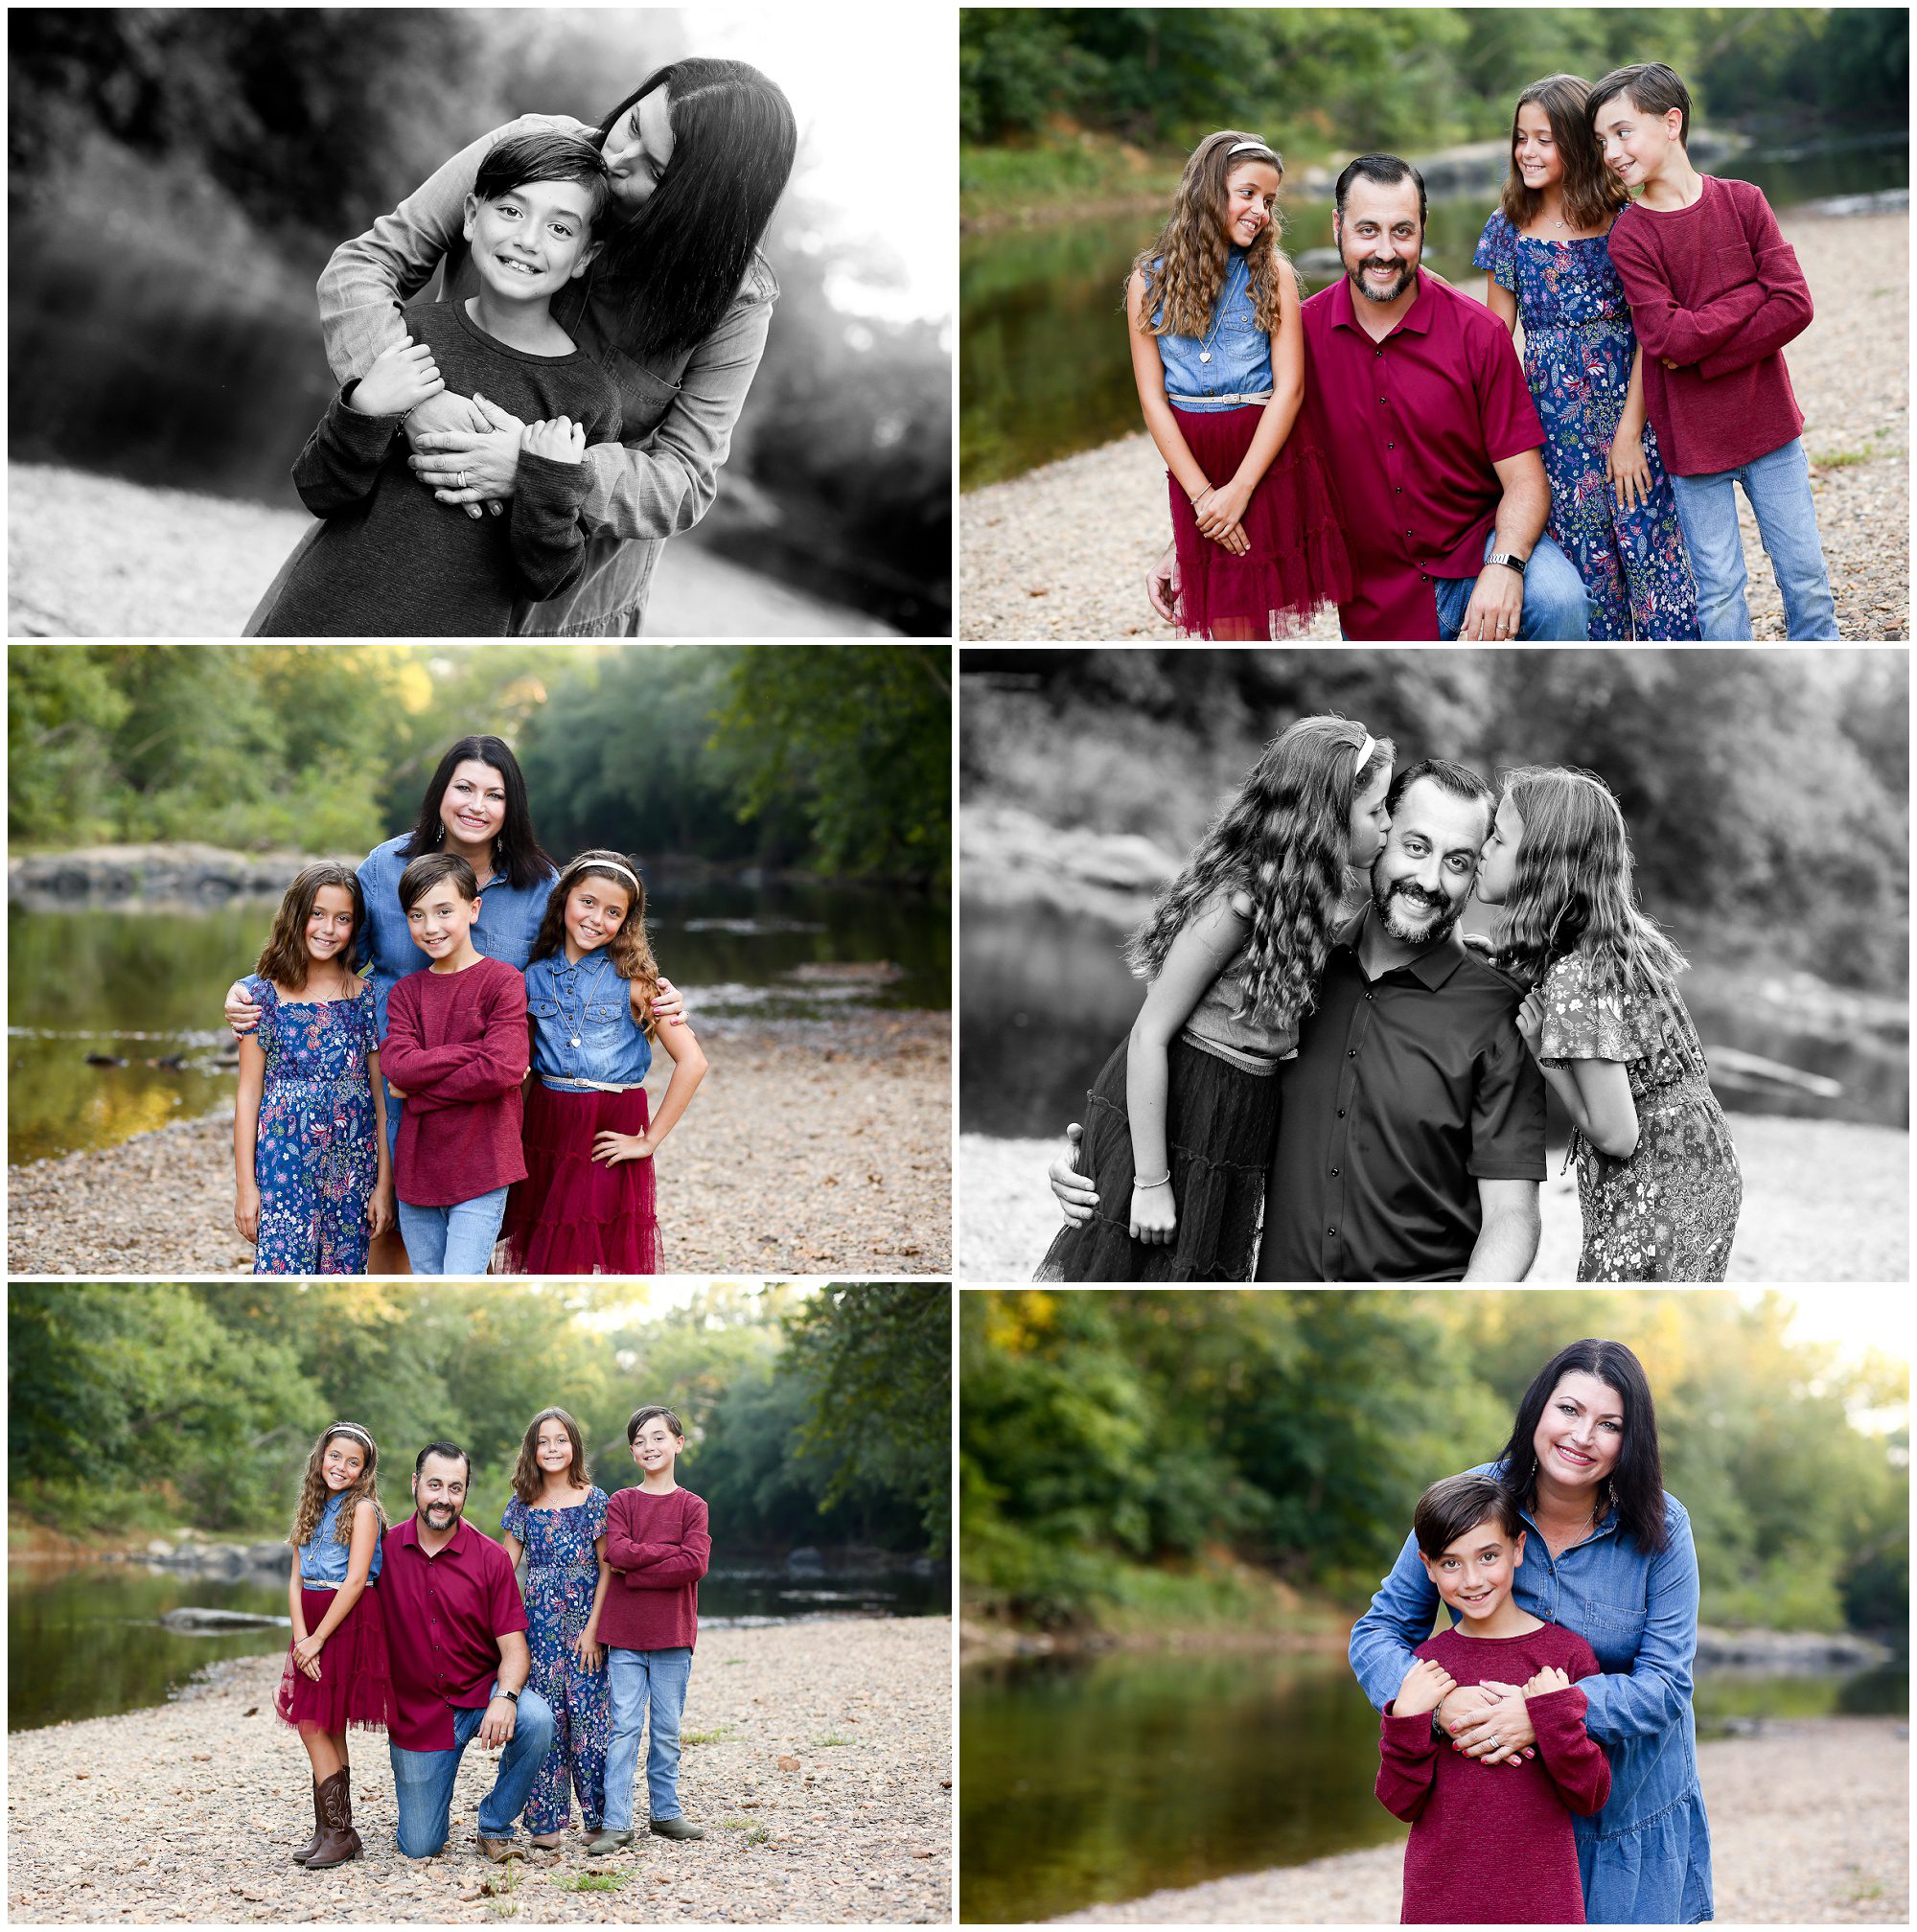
(674, 308)
(1608, 1554)
(475, 807)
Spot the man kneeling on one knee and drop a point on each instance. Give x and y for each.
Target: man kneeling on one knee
(456, 1637)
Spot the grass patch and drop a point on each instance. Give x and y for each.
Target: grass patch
(716, 1736)
(592, 1881)
(835, 1737)
(751, 1832)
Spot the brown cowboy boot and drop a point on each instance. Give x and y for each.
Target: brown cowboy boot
(312, 1845)
(341, 1842)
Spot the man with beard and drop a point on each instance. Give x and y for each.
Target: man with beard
(456, 1637)
(1423, 412)
(1411, 1124)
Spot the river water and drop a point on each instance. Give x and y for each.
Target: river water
(85, 1640)
(1044, 369)
(146, 984)
(1083, 1784)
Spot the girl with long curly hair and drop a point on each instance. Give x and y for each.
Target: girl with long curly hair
(1218, 356)
(588, 1205)
(1659, 1181)
(336, 1671)
(1183, 1116)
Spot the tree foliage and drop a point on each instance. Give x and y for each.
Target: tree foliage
(1101, 1432)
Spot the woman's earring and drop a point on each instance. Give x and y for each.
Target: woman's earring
(439, 833)
(1611, 1493)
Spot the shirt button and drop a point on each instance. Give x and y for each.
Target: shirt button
(1334, 1173)
(1352, 1053)
(1388, 445)
(1341, 1113)
(1332, 1231)
(1369, 995)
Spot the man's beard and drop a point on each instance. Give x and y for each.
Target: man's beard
(427, 1509)
(1440, 927)
(1407, 272)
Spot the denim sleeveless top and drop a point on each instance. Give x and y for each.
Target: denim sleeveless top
(1239, 350)
(323, 1561)
(583, 1024)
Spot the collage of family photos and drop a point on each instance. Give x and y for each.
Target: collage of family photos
(868, 1074)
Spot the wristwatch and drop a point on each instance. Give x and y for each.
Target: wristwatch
(1509, 561)
(512, 1694)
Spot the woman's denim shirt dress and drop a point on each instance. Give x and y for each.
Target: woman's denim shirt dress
(1240, 351)
(1645, 1859)
(588, 1004)
(323, 1561)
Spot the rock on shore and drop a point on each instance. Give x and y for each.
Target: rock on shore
(823, 1777)
(1823, 1201)
(817, 1148)
(1810, 1826)
(1061, 552)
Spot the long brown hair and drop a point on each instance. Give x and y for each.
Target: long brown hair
(1571, 887)
(312, 1496)
(1193, 247)
(528, 1478)
(630, 950)
(284, 958)
(1591, 193)
(517, 857)
(1284, 840)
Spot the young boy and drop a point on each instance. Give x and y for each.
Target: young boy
(392, 559)
(455, 1052)
(657, 1545)
(1490, 1844)
(1716, 292)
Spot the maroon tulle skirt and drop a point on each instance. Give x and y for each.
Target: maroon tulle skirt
(1297, 560)
(574, 1216)
(355, 1682)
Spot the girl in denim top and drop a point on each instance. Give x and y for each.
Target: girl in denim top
(337, 1672)
(1609, 1556)
(587, 1203)
(1218, 356)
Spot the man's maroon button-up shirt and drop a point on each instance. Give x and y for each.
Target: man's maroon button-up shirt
(444, 1616)
(1412, 426)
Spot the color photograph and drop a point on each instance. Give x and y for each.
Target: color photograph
(553, 958)
(1440, 323)
(1554, 965)
(473, 1601)
(1502, 1608)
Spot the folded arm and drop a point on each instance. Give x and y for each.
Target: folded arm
(342, 458)
(1667, 331)
(1787, 310)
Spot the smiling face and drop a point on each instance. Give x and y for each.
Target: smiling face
(1251, 194)
(655, 1448)
(1380, 237)
(1635, 144)
(442, 919)
(640, 148)
(1498, 868)
(329, 926)
(1370, 821)
(439, 1491)
(1474, 1572)
(1535, 153)
(341, 1460)
(1579, 1435)
(474, 808)
(1423, 875)
(595, 909)
(528, 243)
(553, 1450)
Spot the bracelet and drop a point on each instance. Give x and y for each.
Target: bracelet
(1164, 1180)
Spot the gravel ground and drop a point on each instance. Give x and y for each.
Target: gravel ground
(811, 1148)
(1062, 552)
(826, 1796)
(1810, 1826)
(185, 565)
(1823, 1201)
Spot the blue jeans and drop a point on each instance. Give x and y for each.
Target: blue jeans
(455, 1240)
(423, 1781)
(1779, 489)
(640, 1678)
(1555, 603)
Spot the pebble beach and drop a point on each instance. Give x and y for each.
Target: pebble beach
(1810, 1826)
(817, 1757)
(820, 1147)
(1061, 553)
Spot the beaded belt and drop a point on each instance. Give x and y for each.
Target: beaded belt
(1186, 402)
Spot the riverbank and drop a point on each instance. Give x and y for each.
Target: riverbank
(817, 1757)
(1810, 1825)
(180, 564)
(817, 1148)
(1823, 1201)
(1061, 552)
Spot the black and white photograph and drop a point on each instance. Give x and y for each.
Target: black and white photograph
(460, 321)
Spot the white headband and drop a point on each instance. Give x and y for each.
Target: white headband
(349, 1429)
(602, 865)
(1364, 752)
(1260, 145)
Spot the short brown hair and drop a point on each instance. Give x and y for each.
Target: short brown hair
(641, 1417)
(424, 873)
(1653, 89)
(1447, 1509)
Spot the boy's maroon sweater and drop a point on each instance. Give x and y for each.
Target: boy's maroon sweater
(1715, 287)
(1492, 1844)
(662, 1545)
(456, 1048)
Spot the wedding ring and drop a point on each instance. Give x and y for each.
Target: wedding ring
(462, 485)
